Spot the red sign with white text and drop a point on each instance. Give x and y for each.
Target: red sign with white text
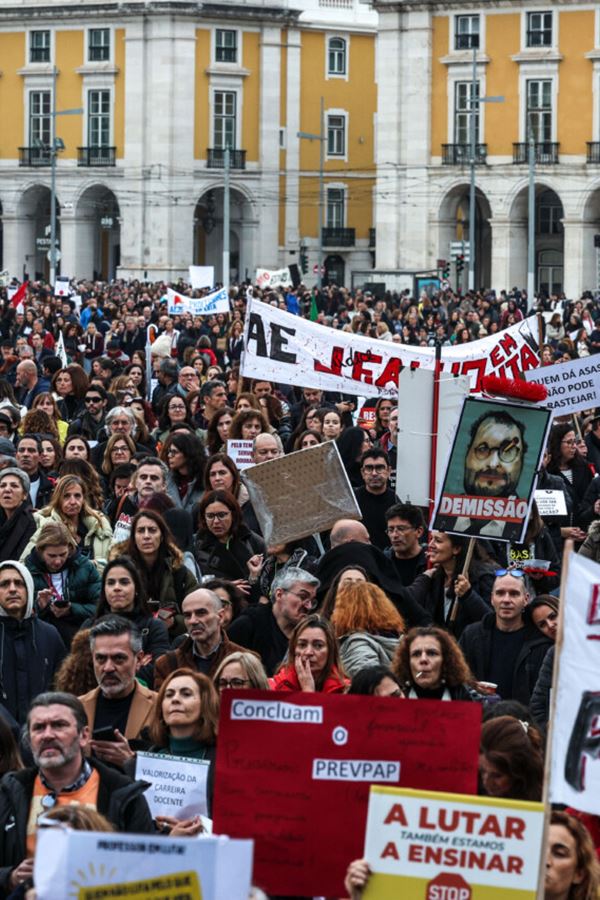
(293, 772)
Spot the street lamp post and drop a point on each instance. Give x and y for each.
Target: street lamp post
(321, 137)
(531, 213)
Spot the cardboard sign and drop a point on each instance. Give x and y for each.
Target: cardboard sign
(272, 278)
(572, 386)
(293, 770)
(241, 453)
(415, 415)
(472, 846)
(491, 474)
(575, 766)
(312, 482)
(551, 503)
(284, 348)
(202, 276)
(178, 784)
(93, 866)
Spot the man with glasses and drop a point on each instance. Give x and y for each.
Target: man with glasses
(92, 420)
(266, 628)
(505, 648)
(62, 775)
(376, 496)
(405, 528)
(206, 645)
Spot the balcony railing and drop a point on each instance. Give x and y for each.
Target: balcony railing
(339, 237)
(34, 156)
(96, 156)
(546, 153)
(460, 154)
(593, 152)
(215, 158)
(372, 237)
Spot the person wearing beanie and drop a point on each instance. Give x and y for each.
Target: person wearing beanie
(17, 523)
(30, 650)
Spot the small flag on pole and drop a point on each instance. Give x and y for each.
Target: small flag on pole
(60, 350)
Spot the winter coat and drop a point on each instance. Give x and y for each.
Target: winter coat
(193, 495)
(360, 649)
(591, 546)
(540, 699)
(227, 560)
(95, 545)
(588, 514)
(429, 594)
(30, 653)
(81, 585)
(476, 644)
(16, 531)
(119, 799)
(183, 658)
(287, 680)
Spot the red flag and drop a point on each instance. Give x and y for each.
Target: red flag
(19, 294)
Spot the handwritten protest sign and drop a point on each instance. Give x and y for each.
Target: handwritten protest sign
(284, 348)
(312, 482)
(93, 866)
(241, 453)
(572, 386)
(575, 767)
(293, 771)
(178, 785)
(420, 840)
(491, 474)
(551, 503)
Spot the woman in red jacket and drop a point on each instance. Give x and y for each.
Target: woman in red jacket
(313, 660)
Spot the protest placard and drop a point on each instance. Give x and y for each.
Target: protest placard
(176, 303)
(293, 771)
(420, 842)
(241, 453)
(574, 763)
(272, 278)
(572, 386)
(202, 276)
(415, 405)
(92, 866)
(312, 482)
(210, 304)
(178, 785)
(284, 348)
(550, 503)
(491, 474)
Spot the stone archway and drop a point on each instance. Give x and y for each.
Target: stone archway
(549, 239)
(33, 225)
(208, 233)
(453, 219)
(96, 228)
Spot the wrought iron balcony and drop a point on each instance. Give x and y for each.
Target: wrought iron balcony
(34, 156)
(215, 158)
(339, 237)
(546, 153)
(96, 156)
(593, 152)
(372, 237)
(460, 154)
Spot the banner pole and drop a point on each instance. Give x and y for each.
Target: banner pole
(540, 325)
(434, 425)
(567, 550)
(465, 571)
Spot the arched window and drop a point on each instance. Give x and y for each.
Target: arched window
(336, 56)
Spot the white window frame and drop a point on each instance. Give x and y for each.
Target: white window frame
(537, 72)
(545, 13)
(239, 48)
(467, 111)
(555, 23)
(45, 62)
(335, 186)
(88, 90)
(340, 76)
(30, 93)
(225, 89)
(454, 36)
(458, 73)
(342, 113)
(111, 45)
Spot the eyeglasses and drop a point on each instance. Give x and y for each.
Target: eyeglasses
(518, 573)
(305, 599)
(178, 406)
(223, 683)
(374, 469)
(569, 443)
(216, 515)
(401, 528)
(507, 451)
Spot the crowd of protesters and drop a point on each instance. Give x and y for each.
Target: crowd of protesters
(136, 586)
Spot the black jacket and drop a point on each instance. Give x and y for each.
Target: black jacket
(256, 629)
(16, 531)
(45, 491)
(428, 591)
(540, 699)
(227, 560)
(476, 644)
(86, 426)
(119, 799)
(588, 515)
(30, 653)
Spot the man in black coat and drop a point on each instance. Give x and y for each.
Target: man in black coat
(503, 648)
(59, 736)
(376, 497)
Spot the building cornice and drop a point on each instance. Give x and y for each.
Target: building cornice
(31, 13)
(449, 6)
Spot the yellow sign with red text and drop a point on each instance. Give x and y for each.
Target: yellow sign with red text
(423, 845)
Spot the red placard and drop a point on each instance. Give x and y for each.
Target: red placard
(293, 773)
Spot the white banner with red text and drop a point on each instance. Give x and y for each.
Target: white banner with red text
(284, 348)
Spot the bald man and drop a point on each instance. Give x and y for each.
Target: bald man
(28, 383)
(346, 530)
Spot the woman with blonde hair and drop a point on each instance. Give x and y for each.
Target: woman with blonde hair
(241, 670)
(90, 530)
(46, 402)
(120, 449)
(367, 625)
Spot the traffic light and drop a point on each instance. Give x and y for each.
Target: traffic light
(460, 263)
(303, 260)
(446, 270)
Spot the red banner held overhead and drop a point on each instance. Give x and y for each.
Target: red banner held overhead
(293, 772)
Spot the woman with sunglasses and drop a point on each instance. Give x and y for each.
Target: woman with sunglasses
(225, 547)
(314, 660)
